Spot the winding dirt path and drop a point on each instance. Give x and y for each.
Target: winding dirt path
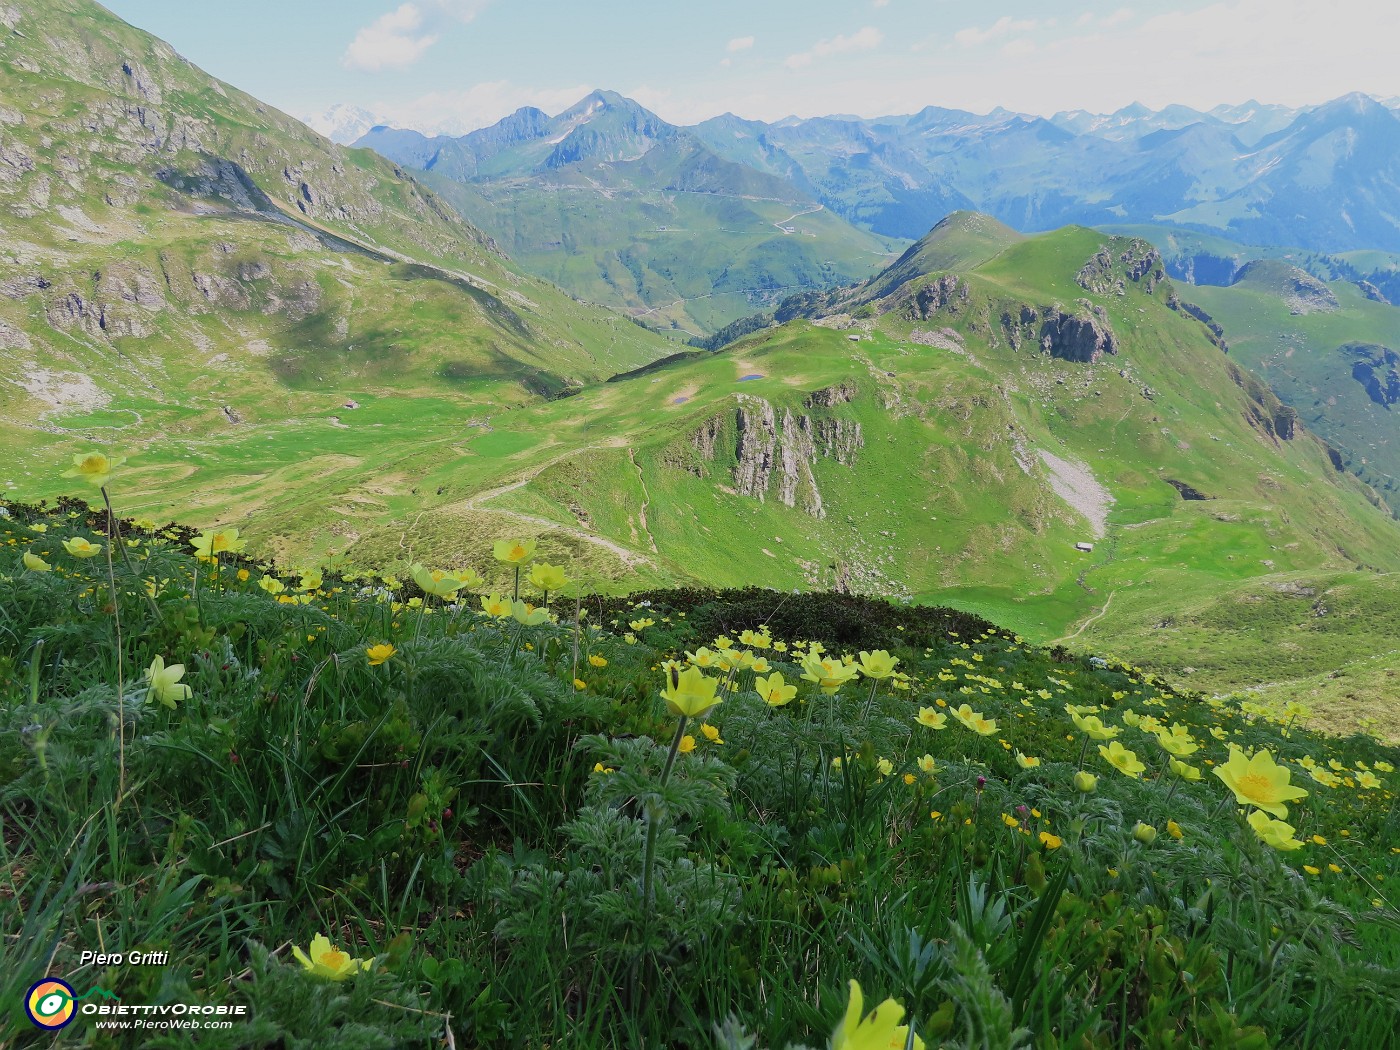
(1091, 620)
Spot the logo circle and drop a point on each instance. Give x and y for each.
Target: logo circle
(49, 1003)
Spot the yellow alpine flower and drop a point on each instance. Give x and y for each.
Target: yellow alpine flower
(82, 548)
(691, 693)
(828, 674)
(547, 577)
(93, 467)
(210, 543)
(1121, 759)
(379, 653)
(1178, 744)
(1259, 781)
(598, 661)
(527, 614)
(495, 605)
(34, 563)
(1184, 771)
(879, 664)
(687, 744)
(1174, 829)
(1368, 781)
(703, 657)
(1086, 782)
(880, 1030)
(164, 683)
(514, 552)
(932, 718)
(1145, 833)
(1026, 761)
(437, 582)
(310, 580)
(272, 585)
(711, 733)
(1050, 841)
(467, 579)
(328, 961)
(927, 764)
(1273, 832)
(774, 689)
(1094, 727)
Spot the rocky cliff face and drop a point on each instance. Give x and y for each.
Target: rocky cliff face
(1084, 335)
(774, 451)
(1377, 369)
(1113, 267)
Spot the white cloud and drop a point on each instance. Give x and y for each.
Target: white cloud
(879, 3)
(862, 40)
(1003, 26)
(398, 39)
(739, 43)
(1018, 48)
(457, 112)
(391, 41)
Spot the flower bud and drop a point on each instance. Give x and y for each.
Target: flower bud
(1086, 782)
(1145, 833)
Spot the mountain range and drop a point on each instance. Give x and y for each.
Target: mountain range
(1324, 177)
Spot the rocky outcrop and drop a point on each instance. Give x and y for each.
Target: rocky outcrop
(774, 451)
(831, 396)
(1084, 336)
(1377, 369)
(942, 294)
(1370, 291)
(1217, 334)
(1115, 265)
(1187, 492)
(1264, 411)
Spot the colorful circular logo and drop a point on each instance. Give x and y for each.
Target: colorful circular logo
(49, 1003)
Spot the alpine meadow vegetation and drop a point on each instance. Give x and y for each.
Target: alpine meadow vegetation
(488, 807)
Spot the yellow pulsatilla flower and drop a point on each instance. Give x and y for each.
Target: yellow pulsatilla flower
(34, 563)
(325, 960)
(1144, 833)
(703, 657)
(755, 639)
(1131, 718)
(1086, 782)
(467, 579)
(1185, 771)
(691, 693)
(983, 726)
(310, 579)
(711, 733)
(547, 577)
(514, 552)
(1369, 781)
(932, 718)
(642, 624)
(724, 643)
(880, 1030)
(1326, 779)
(379, 653)
(885, 766)
(528, 615)
(774, 690)
(93, 467)
(1026, 761)
(1094, 727)
(878, 664)
(1259, 782)
(758, 665)
(1122, 759)
(82, 548)
(728, 659)
(927, 764)
(1382, 766)
(598, 661)
(495, 605)
(1273, 832)
(163, 683)
(965, 714)
(212, 542)
(687, 744)
(437, 582)
(1174, 829)
(828, 674)
(272, 585)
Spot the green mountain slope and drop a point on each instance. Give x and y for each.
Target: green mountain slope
(186, 268)
(1327, 350)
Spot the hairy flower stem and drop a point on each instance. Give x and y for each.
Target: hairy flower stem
(516, 595)
(1083, 750)
(1175, 784)
(115, 539)
(121, 685)
(654, 815)
(870, 700)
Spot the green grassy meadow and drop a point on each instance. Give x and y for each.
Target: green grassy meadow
(523, 844)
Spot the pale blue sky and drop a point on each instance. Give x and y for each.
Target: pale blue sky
(469, 62)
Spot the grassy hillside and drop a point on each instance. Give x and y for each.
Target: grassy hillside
(341, 810)
(188, 270)
(1329, 363)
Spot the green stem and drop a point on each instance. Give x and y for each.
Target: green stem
(115, 538)
(870, 700)
(516, 595)
(1084, 750)
(654, 814)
